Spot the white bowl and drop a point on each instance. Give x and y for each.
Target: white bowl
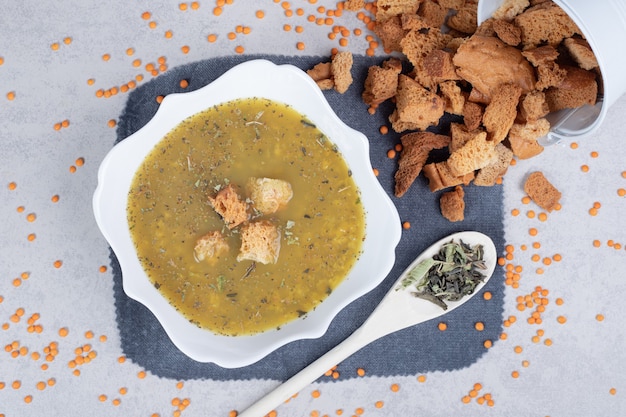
(282, 83)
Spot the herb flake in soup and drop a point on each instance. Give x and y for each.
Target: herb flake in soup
(174, 203)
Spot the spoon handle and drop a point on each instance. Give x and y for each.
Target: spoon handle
(309, 374)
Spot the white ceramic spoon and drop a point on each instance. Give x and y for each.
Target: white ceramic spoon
(397, 310)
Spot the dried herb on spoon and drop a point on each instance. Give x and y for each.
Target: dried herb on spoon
(449, 275)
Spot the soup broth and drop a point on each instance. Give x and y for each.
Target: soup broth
(322, 227)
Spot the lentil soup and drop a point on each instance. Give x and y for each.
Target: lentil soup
(322, 227)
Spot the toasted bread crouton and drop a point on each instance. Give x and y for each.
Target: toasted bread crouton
(507, 32)
(341, 68)
(400, 125)
(523, 138)
(452, 204)
(541, 55)
(545, 23)
(549, 75)
(465, 19)
(541, 191)
(478, 152)
(381, 83)
(579, 87)
(415, 150)
(229, 205)
(390, 32)
(533, 106)
(440, 177)
(488, 175)
(438, 65)
(506, 65)
(416, 105)
(268, 195)
(386, 9)
(580, 50)
(500, 114)
(486, 28)
(454, 98)
(416, 44)
(472, 115)
(510, 8)
(260, 242)
(433, 14)
(210, 247)
(322, 75)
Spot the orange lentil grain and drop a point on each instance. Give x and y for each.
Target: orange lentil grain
(239, 49)
(391, 153)
(526, 200)
(260, 14)
(394, 387)
(421, 378)
(58, 264)
(300, 46)
(487, 295)
(152, 25)
(584, 168)
(376, 172)
(480, 326)
(379, 404)
(146, 15)
(55, 46)
(466, 399)
(600, 317)
(487, 343)
(141, 374)
(63, 331)
(442, 326)
(383, 130)
(315, 394)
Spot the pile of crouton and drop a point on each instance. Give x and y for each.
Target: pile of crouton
(502, 77)
(260, 235)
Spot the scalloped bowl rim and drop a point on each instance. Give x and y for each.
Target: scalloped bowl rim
(282, 83)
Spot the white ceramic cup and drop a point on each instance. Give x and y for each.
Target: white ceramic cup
(603, 23)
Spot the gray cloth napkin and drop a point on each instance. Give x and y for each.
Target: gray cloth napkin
(411, 351)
